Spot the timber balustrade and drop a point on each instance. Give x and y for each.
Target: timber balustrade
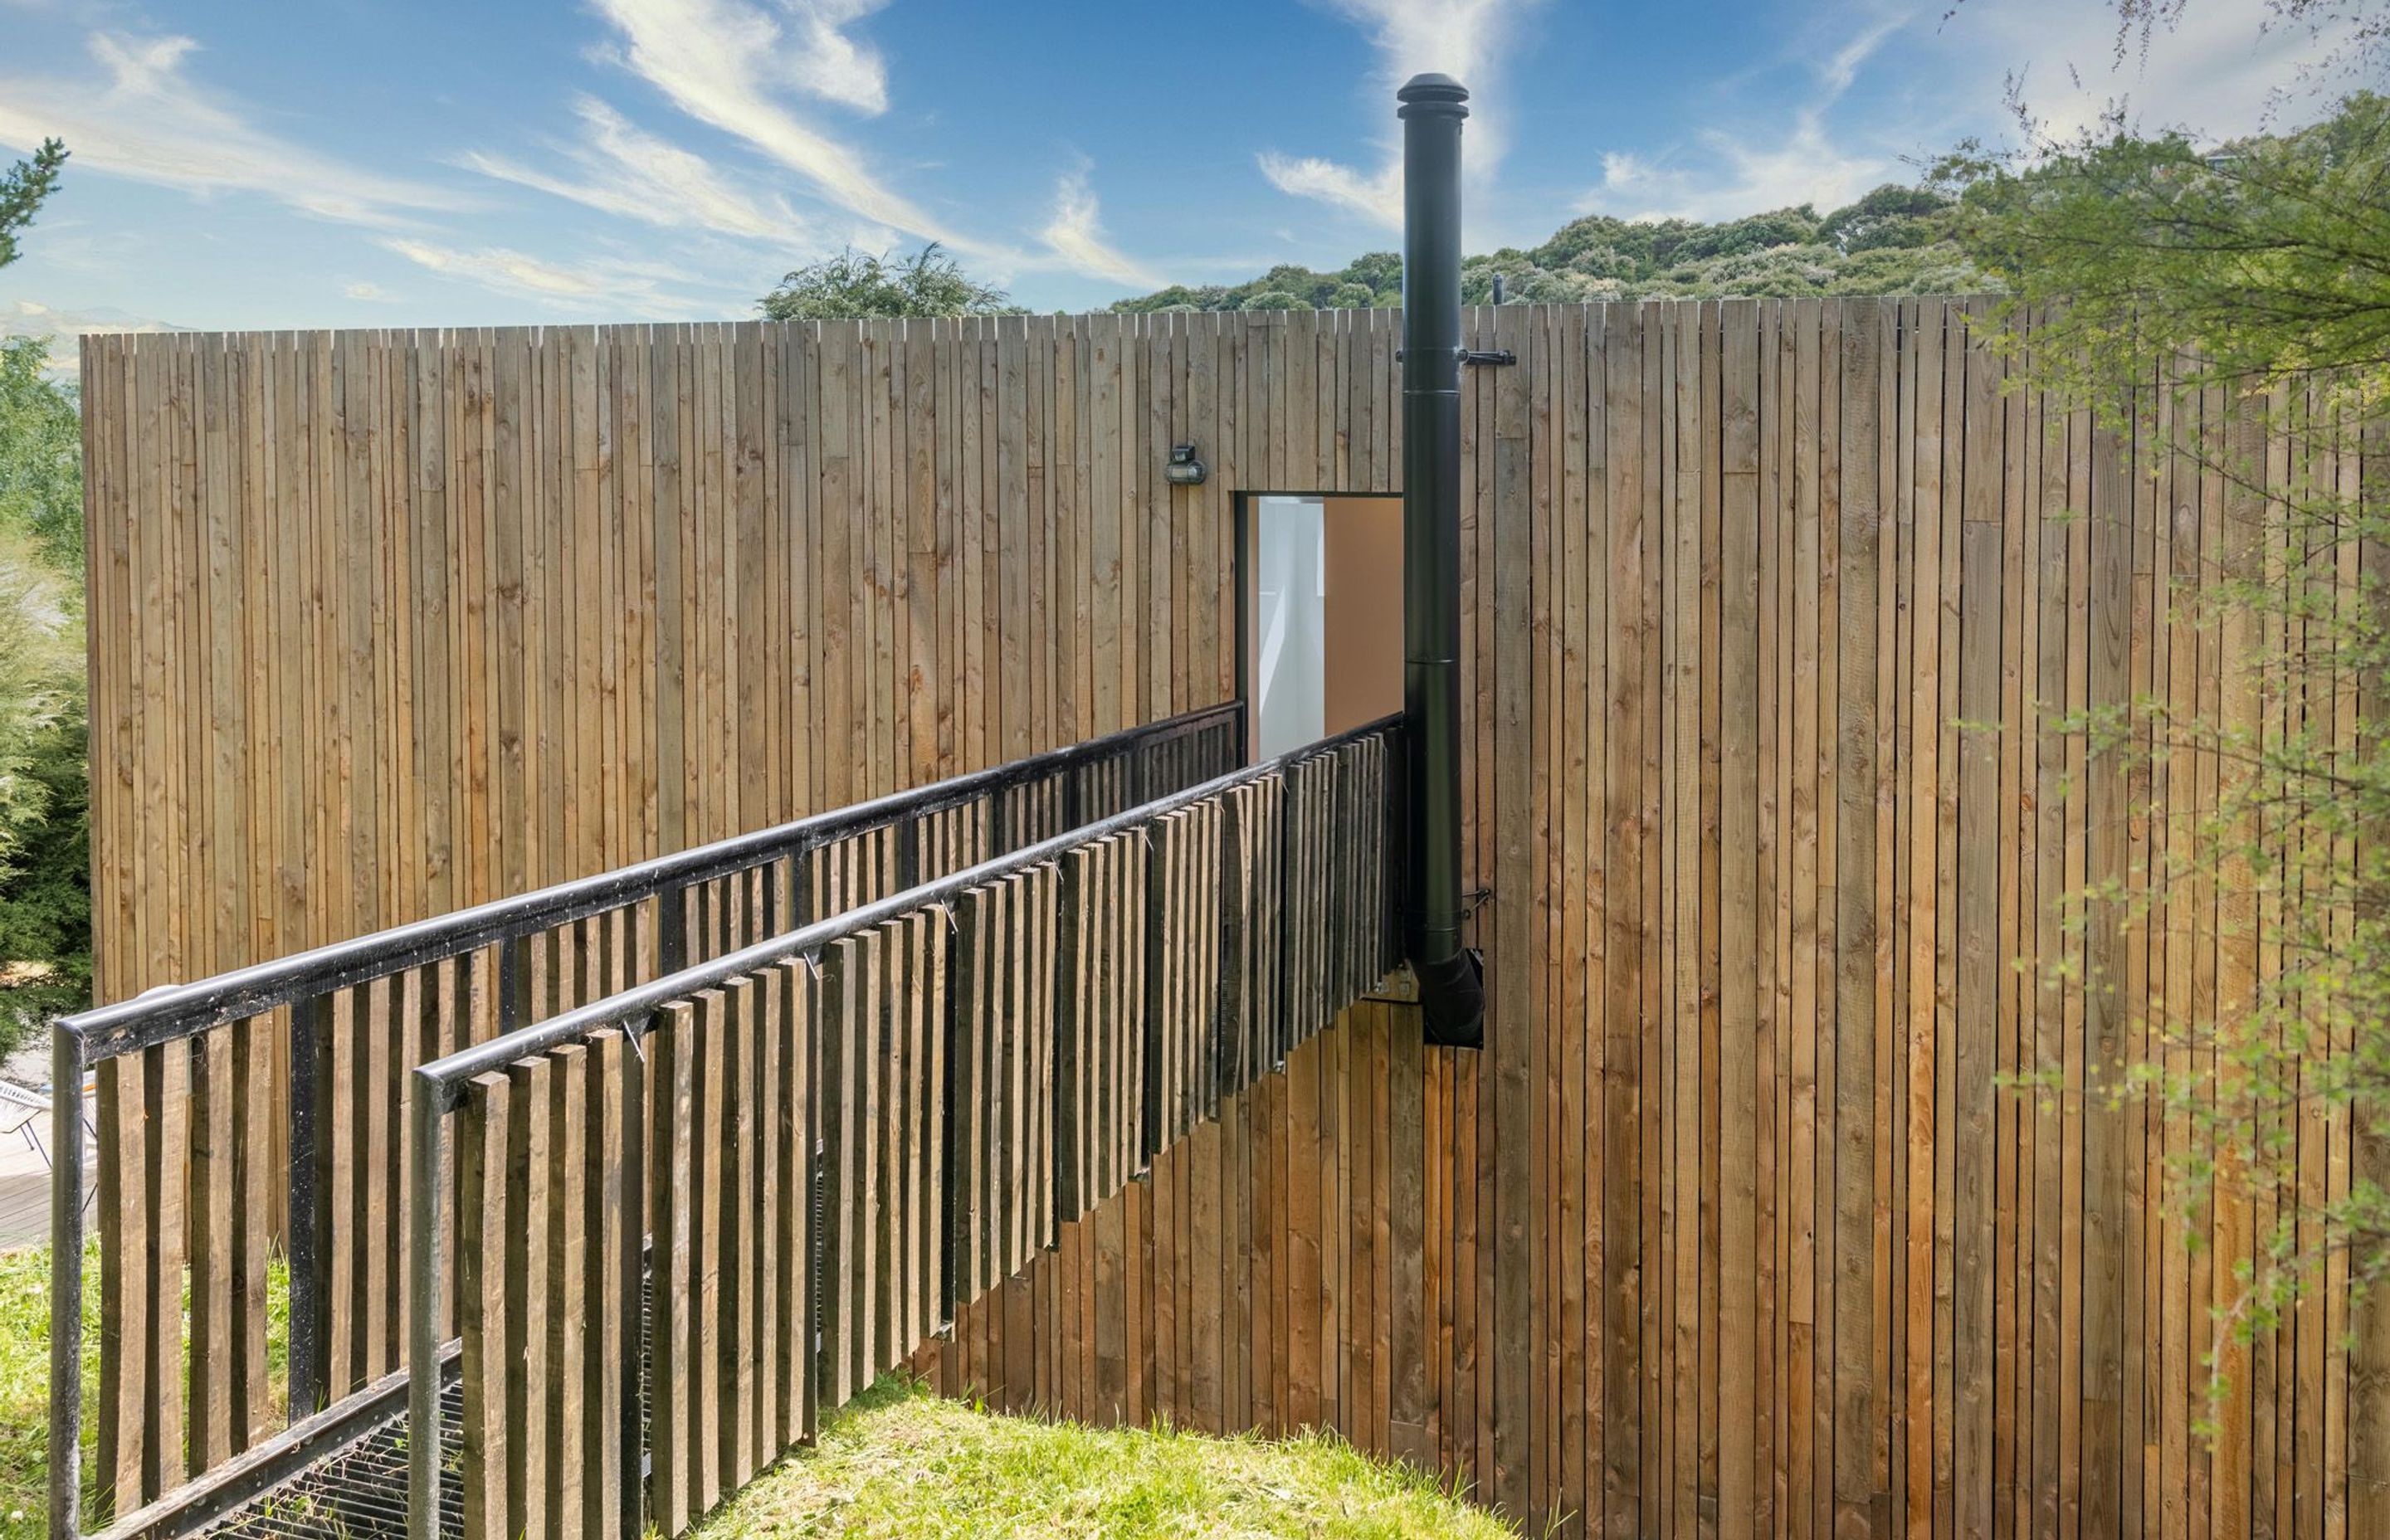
(198, 1174)
(698, 1214)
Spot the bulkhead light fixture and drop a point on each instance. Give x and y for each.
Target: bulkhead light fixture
(1184, 469)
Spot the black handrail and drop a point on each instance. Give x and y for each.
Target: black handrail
(438, 1082)
(440, 1077)
(181, 1010)
(307, 981)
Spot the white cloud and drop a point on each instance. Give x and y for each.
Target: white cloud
(59, 329)
(608, 285)
(1372, 195)
(1844, 66)
(366, 292)
(1734, 177)
(724, 62)
(625, 170)
(1076, 236)
(2219, 71)
(1466, 39)
(1723, 173)
(148, 119)
(731, 66)
(829, 64)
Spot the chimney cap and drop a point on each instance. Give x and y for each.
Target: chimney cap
(1433, 92)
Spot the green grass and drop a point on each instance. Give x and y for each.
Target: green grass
(25, 1378)
(900, 1461)
(25, 1384)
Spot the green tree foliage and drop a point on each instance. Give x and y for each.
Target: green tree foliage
(44, 841)
(22, 188)
(855, 285)
(1896, 240)
(41, 454)
(45, 881)
(2145, 271)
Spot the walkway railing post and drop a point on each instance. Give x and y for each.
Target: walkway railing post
(427, 1178)
(514, 984)
(66, 1284)
(672, 930)
(309, 1053)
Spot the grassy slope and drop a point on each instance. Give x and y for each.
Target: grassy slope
(900, 1462)
(25, 1385)
(25, 1378)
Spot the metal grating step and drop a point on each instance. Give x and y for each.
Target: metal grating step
(360, 1492)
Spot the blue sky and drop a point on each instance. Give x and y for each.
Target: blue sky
(349, 163)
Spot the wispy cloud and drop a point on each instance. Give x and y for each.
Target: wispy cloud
(367, 291)
(1376, 196)
(828, 63)
(622, 169)
(606, 284)
(2220, 69)
(1076, 236)
(1726, 174)
(1842, 66)
(1468, 40)
(727, 64)
(1726, 177)
(735, 67)
(145, 119)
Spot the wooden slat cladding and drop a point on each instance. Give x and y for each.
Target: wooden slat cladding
(414, 618)
(1728, 1231)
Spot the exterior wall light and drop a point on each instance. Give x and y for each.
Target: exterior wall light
(1184, 469)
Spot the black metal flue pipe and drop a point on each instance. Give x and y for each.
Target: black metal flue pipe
(1452, 990)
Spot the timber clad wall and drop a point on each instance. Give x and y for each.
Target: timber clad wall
(393, 621)
(1730, 1229)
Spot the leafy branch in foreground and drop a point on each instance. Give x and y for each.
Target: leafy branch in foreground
(2234, 303)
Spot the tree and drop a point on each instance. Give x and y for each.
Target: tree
(44, 884)
(44, 841)
(1890, 216)
(853, 284)
(22, 188)
(41, 454)
(2147, 272)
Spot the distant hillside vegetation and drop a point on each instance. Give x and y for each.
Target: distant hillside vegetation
(1896, 240)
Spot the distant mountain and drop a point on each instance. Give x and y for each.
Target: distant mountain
(62, 327)
(1896, 240)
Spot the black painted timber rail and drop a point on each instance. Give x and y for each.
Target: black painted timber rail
(356, 1017)
(670, 1228)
